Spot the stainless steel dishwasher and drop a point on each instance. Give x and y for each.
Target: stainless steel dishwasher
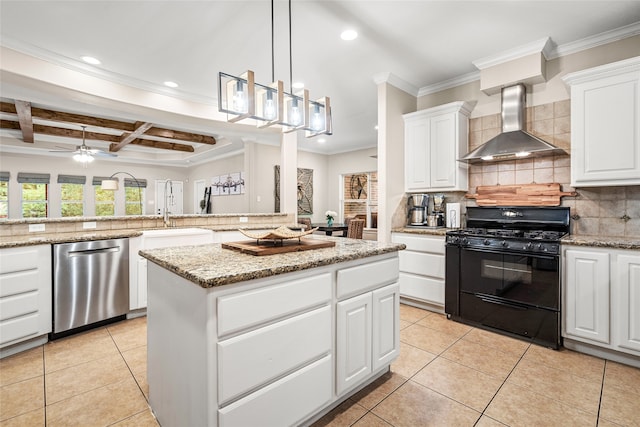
(90, 282)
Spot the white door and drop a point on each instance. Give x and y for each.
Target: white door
(629, 301)
(174, 197)
(353, 347)
(386, 325)
(587, 295)
(198, 194)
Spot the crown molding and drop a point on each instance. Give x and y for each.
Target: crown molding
(539, 46)
(79, 66)
(448, 84)
(395, 81)
(596, 40)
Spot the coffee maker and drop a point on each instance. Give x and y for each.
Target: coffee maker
(438, 209)
(418, 208)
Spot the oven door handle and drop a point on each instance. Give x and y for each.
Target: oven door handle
(502, 302)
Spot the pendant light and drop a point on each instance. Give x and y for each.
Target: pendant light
(242, 98)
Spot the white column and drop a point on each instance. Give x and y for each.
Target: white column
(289, 173)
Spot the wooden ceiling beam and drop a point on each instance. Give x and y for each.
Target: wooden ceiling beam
(113, 139)
(127, 137)
(81, 119)
(7, 107)
(182, 136)
(23, 110)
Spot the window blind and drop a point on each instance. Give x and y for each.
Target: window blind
(129, 182)
(72, 179)
(97, 180)
(33, 178)
(4, 176)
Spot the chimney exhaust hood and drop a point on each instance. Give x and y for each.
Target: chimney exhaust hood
(513, 142)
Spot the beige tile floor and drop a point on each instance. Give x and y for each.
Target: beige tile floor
(448, 374)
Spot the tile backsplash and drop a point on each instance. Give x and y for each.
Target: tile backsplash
(604, 211)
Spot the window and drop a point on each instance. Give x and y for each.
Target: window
(35, 191)
(360, 197)
(71, 195)
(134, 196)
(105, 199)
(4, 194)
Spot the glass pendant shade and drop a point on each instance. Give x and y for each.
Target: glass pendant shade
(83, 157)
(320, 118)
(269, 104)
(236, 95)
(296, 111)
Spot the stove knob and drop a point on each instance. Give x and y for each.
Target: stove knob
(539, 246)
(528, 246)
(464, 241)
(486, 241)
(504, 243)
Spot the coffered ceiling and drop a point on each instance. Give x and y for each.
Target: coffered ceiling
(141, 44)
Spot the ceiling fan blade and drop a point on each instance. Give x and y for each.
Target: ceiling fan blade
(101, 153)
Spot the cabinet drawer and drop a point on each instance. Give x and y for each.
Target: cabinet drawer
(422, 288)
(20, 259)
(18, 305)
(254, 358)
(356, 280)
(19, 327)
(421, 263)
(240, 311)
(19, 282)
(282, 403)
(433, 245)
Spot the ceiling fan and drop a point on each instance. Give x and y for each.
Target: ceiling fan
(83, 153)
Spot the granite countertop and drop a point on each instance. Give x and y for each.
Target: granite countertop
(87, 235)
(614, 242)
(210, 265)
(53, 238)
(434, 231)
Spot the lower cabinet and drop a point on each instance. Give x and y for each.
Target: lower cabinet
(25, 293)
(602, 298)
(422, 267)
(367, 335)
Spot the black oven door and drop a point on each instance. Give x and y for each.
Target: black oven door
(515, 293)
(512, 277)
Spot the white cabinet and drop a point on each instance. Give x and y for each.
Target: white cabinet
(628, 303)
(602, 298)
(605, 130)
(25, 294)
(587, 295)
(434, 140)
(367, 325)
(152, 239)
(422, 268)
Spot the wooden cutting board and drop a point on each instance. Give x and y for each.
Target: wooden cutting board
(519, 195)
(252, 247)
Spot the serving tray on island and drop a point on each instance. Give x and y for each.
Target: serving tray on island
(262, 247)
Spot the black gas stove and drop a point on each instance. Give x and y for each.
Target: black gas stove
(503, 271)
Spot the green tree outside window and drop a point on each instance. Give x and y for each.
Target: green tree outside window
(105, 202)
(4, 199)
(34, 200)
(132, 198)
(71, 196)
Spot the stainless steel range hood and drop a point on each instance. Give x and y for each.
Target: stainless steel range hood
(513, 142)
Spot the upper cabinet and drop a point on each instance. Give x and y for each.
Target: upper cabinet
(605, 125)
(434, 140)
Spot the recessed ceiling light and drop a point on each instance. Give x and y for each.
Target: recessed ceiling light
(322, 140)
(349, 35)
(375, 127)
(170, 84)
(91, 60)
(297, 85)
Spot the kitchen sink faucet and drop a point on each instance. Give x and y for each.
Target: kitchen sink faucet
(168, 199)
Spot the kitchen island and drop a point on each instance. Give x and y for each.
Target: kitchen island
(241, 340)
